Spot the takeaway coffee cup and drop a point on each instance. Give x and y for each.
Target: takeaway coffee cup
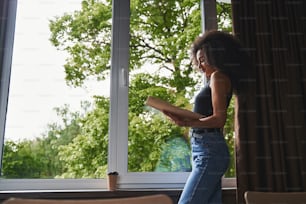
(112, 178)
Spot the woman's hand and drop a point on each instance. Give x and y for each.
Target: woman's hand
(182, 122)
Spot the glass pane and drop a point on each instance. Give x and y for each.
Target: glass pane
(57, 117)
(161, 33)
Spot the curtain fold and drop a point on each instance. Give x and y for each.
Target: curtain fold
(271, 117)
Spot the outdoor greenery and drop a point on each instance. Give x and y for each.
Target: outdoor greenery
(161, 32)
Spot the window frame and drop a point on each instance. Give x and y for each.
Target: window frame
(7, 38)
(118, 126)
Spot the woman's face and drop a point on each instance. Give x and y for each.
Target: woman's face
(203, 65)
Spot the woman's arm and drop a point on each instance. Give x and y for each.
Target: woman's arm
(220, 88)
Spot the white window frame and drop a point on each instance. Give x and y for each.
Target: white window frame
(5, 67)
(118, 128)
(118, 140)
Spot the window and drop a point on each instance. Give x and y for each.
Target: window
(125, 113)
(44, 114)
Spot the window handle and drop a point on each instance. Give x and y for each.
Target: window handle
(124, 77)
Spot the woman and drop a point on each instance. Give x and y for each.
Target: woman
(221, 58)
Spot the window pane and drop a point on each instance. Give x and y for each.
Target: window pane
(161, 33)
(57, 117)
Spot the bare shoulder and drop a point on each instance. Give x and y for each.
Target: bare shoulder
(219, 79)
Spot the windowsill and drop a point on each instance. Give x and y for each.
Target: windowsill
(228, 194)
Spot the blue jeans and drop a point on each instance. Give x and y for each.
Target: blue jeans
(210, 160)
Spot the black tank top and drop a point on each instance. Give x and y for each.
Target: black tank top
(203, 101)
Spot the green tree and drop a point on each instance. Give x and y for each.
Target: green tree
(86, 155)
(22, 160)
(150, 133)
(38, 158)
(157, 38)
(230, 139)
(59, 134)
(161, 32)
(86, 36)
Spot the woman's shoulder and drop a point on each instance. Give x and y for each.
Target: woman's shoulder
(218, 75)
(218, 78)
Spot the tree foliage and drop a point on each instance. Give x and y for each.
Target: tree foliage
(85, 35)
(161, 32)
(86, 155)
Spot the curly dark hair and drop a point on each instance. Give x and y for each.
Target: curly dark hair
(224, 52)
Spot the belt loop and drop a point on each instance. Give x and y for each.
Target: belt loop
(205, 130)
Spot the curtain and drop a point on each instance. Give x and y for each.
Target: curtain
(271, 117)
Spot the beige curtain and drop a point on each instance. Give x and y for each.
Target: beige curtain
(271, 118)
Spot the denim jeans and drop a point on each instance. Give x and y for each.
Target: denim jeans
(210, 160)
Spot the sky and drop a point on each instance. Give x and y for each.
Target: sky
(37, 76)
